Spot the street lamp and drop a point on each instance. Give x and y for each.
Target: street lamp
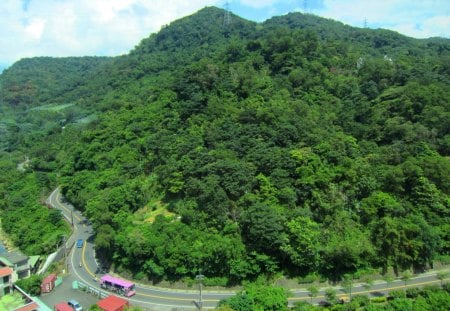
(200, 277)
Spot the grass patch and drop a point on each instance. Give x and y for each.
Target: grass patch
(87, 119)
(149, 212)
(11, 301)
(52, 107)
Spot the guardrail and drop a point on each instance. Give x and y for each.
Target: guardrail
(89, 289)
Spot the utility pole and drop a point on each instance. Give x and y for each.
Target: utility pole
(65, 248)
(199, 277)
(365, 22)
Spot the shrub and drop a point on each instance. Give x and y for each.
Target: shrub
(361, 300)
(215, 281)
(139, 276)
(413, 292)
(397, 294)
(31, 285)
(378, 299)
(308, 279)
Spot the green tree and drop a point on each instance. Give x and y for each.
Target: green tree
(442, 275)
(346, 246)
(388, 278)
(347, 284)
(262, 228)
(368, 284)
(240, 302)
(330, 295)
(267, 297)
(406, 276)
(303, 244)
(31, 285)
(313, 291)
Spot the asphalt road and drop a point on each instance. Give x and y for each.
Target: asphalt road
(149, 297)
(156, 298)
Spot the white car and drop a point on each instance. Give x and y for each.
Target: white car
(75, 305)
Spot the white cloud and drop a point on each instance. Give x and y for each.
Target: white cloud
(419, 19)
(112, 27)
(84, 27)
(258, 3)
(34, 28)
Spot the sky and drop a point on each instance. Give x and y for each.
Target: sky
(61, 28)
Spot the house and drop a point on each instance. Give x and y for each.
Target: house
(113, 303)
(18, 262)
(62, 306)
(5, 281)
(18, 300)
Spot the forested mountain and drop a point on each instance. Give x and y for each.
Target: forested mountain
(298, 145)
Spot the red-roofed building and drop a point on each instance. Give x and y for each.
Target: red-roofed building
(5, 281)
(32, 306)
(113, 303)
(63, 306)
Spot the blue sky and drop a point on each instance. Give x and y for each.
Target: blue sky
(112, 27)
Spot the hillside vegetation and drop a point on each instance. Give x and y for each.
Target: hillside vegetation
(298, 145)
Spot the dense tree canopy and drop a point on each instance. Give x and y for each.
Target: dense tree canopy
(298, 145)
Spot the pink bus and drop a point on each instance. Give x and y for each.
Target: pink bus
(116, 285)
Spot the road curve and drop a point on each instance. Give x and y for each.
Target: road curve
(168, 299)
(146, 296)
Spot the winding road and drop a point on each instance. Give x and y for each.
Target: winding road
(168, 299)
(146, 296)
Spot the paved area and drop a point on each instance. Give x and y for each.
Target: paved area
(65, 292)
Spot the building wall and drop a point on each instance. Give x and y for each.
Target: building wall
(5, 285)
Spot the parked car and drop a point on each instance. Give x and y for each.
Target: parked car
(75, 305)
(80, 243)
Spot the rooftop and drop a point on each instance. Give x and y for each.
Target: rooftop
(12, 301)
(5, 271)
(112, 303)
(14, 257)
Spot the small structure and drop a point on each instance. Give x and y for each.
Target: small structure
(18, 262)
(34, 262)
(113, 303)
(48, 283)
(18, 300)
(5, 281)
(62, 306)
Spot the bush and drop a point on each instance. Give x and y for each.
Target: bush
(303, 306)
(139, 276)
(189, 282)
(361, 300)
(446, 287)
(395, 294)
(413, 292)
(31, 285)
(308, 279)
(378, 299)
(215, 281)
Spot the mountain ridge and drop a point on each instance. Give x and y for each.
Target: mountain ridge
(273, 149)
